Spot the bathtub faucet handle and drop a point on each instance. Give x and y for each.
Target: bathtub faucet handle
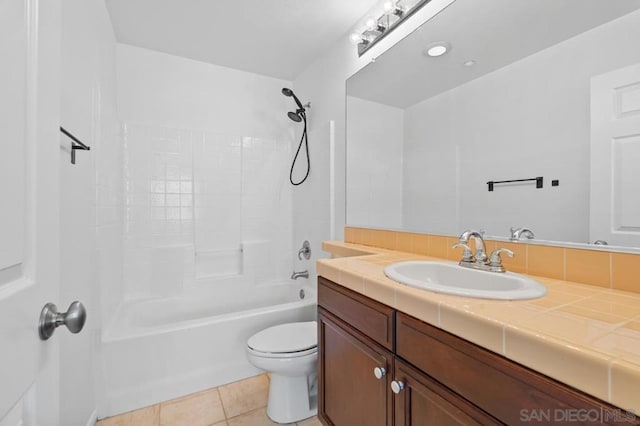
(305, 250)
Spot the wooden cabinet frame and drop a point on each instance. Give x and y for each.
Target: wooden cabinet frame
(446, 379)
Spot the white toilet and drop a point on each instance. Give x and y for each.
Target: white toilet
(289, 352)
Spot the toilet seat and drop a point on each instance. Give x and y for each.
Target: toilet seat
(282, 355)
(285, 340)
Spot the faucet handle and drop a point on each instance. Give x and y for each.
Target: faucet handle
(305, 250)
(467, 256)
(495, 261)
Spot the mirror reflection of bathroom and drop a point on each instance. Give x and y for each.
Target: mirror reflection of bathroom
(504, 99)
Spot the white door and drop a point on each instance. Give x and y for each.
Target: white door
(29, 213)
(615, 157)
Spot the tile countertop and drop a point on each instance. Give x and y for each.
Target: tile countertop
(585, 336)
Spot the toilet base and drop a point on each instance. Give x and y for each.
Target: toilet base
(292, 399)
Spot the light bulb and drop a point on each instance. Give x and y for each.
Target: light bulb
(355, 38)
(371, 24)
(389, 6)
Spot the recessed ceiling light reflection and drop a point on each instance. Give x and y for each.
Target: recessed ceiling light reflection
(437, 49)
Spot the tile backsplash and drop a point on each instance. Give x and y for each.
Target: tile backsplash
(609, 269)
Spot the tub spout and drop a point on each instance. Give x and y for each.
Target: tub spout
(296, 275)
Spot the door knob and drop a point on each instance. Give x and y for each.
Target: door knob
(50, 319)
(397, 386)
(379, 372)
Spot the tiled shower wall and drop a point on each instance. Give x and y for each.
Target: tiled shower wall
(207, 158)
(158, 175)
(204, 206)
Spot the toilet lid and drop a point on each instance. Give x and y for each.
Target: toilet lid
(286, 338)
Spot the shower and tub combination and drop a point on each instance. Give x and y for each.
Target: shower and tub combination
(192, 335)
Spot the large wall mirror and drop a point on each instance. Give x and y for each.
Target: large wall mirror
(525, 89)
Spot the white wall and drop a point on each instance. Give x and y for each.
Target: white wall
(430, 174)
(531, 118)
(160, 89)
(374, 155)
(91, 198)
(323, 83)
(207, 152)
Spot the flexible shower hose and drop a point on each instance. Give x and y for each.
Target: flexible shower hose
(304, 139)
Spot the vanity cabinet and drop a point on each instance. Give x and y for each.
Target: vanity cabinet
(354, 373)
(431, 377)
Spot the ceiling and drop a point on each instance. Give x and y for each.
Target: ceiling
(494, 33)
(277, 38)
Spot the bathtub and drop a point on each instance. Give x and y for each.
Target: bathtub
(160, 349)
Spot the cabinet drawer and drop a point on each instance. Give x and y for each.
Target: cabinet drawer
(501, 387)
(368, 316)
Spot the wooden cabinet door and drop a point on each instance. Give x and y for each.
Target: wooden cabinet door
(350, 393)
(423, 401)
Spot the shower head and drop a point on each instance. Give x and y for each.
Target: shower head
(289, 93)
(295, 116)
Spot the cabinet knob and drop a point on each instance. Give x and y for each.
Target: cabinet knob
(397, 386)
(379, 372)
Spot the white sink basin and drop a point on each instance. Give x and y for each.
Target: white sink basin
(450, 278)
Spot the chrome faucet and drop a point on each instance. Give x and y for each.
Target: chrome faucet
(301, 274)
(481, 250)
(479, 260)
(517, 233)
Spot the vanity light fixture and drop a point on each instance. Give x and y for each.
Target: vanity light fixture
(437, 49)
(375, 29)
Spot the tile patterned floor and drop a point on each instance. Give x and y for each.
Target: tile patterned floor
(242, 403)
